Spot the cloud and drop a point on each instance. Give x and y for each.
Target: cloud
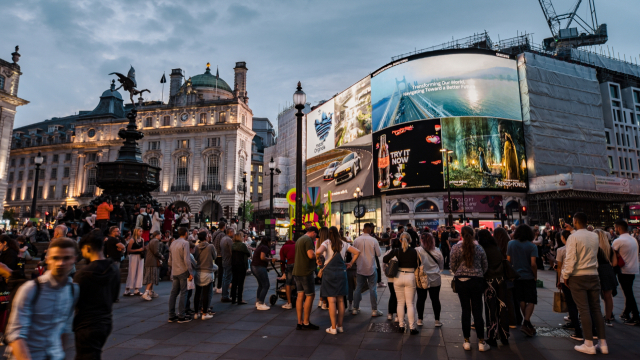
(240, 14)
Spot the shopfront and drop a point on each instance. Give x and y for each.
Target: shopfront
(348, 222)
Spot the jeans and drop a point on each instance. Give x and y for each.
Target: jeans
(91, 339)
(179, 286)
(227, 275)
(434, 294)
(378, 269)
(393, 300)
(237, 285)
(470, 294)
(201, 299)
(373, 293)
(586, 293)
(630, 305)
(405, 287)
(351, 279)
(261, 274)
(573, 310)
(220, 272)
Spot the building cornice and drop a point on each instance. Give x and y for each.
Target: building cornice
(11, 99)
(69, 146)
(192, 129)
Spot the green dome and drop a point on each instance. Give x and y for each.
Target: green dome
(209, 80)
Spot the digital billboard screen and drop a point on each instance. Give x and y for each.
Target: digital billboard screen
(353, 112)
(450, 85)
(320, 129)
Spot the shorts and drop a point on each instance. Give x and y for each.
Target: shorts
(305, 284)
(525, 291)
(289, 272)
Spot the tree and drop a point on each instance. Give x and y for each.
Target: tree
(248, 211)
(11, 216)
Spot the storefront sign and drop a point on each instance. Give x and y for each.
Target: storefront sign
(612, 184)
(430, 223)
(475, 203)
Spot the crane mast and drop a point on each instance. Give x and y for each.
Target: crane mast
(564, 37)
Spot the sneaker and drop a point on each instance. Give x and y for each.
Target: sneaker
(324, 306)
(299, 327)
(414, 331)
(591, 350)
(381, 284)
(390, 317)
(567, 318)
(438, 323)
(185, 319)
(332, 331)
(211, 313)
(218, 291)
(466, 345)
(527, 330)
(206, 317)
(154, 294)
(126, 293)
(484, 346)
(173, 319)
(568, 326)
(340, 329)
(577, 337)
(608, 322)
(632, 322)
(310, 326)
(602, 348)
(225, 300)
(189, 312)
(320, 303)
(419, 322)
(350, 308)
(287, 306)
(146, 297)
(376, 313)
(355, 311)
(263, 307)
(624, 317)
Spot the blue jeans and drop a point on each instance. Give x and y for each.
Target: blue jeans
(261, 274)
(227, 275)
(373, 292)
(179, 286)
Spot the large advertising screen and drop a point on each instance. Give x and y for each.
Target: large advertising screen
(353, 112)
(320, 129)
(445, 86)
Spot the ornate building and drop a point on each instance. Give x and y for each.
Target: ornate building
(201, 139)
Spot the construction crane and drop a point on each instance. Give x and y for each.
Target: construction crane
(566, 37)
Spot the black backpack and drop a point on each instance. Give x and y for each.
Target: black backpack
(146, 222)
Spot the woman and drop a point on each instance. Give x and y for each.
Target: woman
(433, 263)
(205, 255)
(135, 248)
(261, 258)
(9, 256)
(334, 276)
(323, 235)
(152, 264)
(167, 225)
(405, 282)
(468, 263)
(156, 221)
(393, 299)
(502, 238)
(239, 264)
(495, 295)
(608, 282)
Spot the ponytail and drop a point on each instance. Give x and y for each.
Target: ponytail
(468, 247)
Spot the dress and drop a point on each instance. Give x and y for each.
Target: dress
(334, 276)
(136, 267)
(606, 274)
(168, 218)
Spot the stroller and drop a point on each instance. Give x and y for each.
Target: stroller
(281, 291)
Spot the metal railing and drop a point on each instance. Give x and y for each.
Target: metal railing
(180, 188)
(211, 187)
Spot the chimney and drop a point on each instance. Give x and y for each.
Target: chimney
(240, 82)
(176, 81)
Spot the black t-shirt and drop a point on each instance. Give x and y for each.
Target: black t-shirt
(256, 261)
(111, 250)
(414, 237)
(99, 286)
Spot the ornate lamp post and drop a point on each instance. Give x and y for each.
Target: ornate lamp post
(244, 197)
(299, 100)
(358, 196)
(272, 168)
(445, 151)
(38, 160)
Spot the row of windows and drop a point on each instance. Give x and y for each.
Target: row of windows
(41, 176)
(253, 168)
(202, 119)
(29, 193)
(259, 178)
(32, 160)
(259, 189)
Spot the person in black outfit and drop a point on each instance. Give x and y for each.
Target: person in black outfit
(413, 234)
(444, 247)
(9, 256)
(69, 215)
(77, 213)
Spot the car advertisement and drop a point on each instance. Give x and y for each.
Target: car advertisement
(353, 112)
(445, 86)
(321, 129)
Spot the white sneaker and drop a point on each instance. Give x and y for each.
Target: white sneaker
(257, 304)
(154, 294)
(324, 306)
(146, 297)
(566, 318)
(196, 316)
(350, 308)
(263, 307)
(390, 317)
(376, 313)
(218, 291)
(381, 284)
(438, 323)
(466, 345)
(419, 322)
(483, 346)
(320, 303)
(591, 350)
(287, 306)
(355, 311)
(341, 330)
(603, 348)
(332, 331)
(206, 316)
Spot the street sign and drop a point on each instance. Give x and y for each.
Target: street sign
(359, 211)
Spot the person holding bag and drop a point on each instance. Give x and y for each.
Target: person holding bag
(393, 300)
(334, 276)
(495, 296)
(405, 281)
(432, 263)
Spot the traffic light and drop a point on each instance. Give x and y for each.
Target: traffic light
(454, 205)
(460, 218)
(496, 215)
(523, 210)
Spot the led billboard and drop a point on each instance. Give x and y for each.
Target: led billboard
(353, 112)
(450, 85)
(320, 129)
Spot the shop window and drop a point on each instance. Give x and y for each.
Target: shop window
(426, 206)
(400, 208)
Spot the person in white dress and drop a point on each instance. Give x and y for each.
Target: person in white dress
(156, 221)
(433, 263)
(135, 248)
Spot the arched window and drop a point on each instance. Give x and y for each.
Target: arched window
(91, 180)
(240, 169)
(222, 117)
(244, 120)
(426, 206)
(203, 118)
(1, 82)
(166, 121)
(400, 208)
(182, 172)
(213, 169)
(154, 161)
(148, 122)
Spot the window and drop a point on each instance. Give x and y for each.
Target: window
(91, 180)
(259, 168)
(212, 142)
(19, 194)
(30, 175)
(52, 192)
(203, 118)
(1, 82)
(240, 169)
(613, 89)
(65, 190)
(148, 122)
(250, 189)
(92, 157)
(54, 173)
(183, 144)
(67, 157)
(92, 133)
(626, 164)
(154, 161)
(154, 145)
(32, 160)
(244, 120)
(621, 165)
(8, 197)
(166, 121)
(21, 161)
(13, 162)
(44, 159)
(11, 177)
(66, 172)
(259, 189)
(55, 158)
(636, 96)
(608, 138)
(253, 168)
(181, 178)
(636, 141)
(631, 164)
(213, 169)
(625, 116)
(41, 175)
(223, 117)
(628, 142)
(20, 175)
(28, 194)
(251, 178)
(260, 178)
(617, 139)
(39, 193)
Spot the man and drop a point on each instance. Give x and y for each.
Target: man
(217, 237)
(144, 222)
(60, 231)
(414, 235)
(29, 232)
(369, 250)
(182, 271)
(522, 255)
(102, 215)
(99, 288)
(113, 247)
(386, 238)
(234, 224)
(193, 237)
(612, 234)
(287, 260)
(226, 243)
(444, 246)
(580, 273)
(77, 213)
(52, 296)
(303, 270)
(626, 247)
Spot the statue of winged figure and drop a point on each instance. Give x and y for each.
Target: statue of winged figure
(129, 84)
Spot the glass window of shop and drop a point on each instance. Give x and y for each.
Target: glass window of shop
(373, 214)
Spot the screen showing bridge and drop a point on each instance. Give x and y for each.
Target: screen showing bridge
(445, 86)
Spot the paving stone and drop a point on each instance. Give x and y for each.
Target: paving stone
(166, 350)
(229, 337)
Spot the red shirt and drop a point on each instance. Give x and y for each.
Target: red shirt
(288, 252)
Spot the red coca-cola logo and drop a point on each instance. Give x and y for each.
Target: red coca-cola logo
(402, 130)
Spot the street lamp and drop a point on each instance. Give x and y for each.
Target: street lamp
(299, 100)
(272, 168)
(38, 160)
(244, 197)
(358, 196)
(448, 159)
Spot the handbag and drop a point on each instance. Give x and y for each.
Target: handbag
(621, 262)
(325, 266)
(453, 285)
(509, 273)
(422, 279)
(391, 271)
(559, 303)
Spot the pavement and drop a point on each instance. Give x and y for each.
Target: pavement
(141, 332)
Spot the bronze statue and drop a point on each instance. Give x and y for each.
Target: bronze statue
(129, 84)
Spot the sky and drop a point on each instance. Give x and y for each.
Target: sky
(68, 48)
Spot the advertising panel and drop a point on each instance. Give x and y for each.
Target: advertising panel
(475, 203)
(353, 112)
(445, 86)
(320, 129)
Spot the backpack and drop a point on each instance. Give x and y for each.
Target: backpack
(146, 222)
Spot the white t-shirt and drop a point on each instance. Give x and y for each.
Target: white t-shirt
(329, 254)
(627, 247)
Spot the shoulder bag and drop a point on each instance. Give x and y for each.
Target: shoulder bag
(422, 280)
(620, 259)
(325, 265)
(509, 273)
(391, 270)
